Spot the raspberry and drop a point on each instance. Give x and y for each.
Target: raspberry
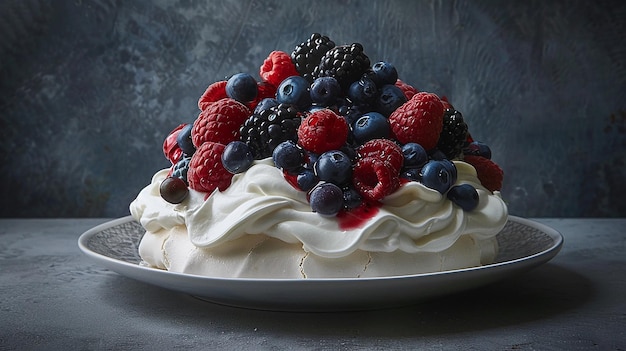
(446, 104)
(374, 179)
(383, 149)
(276, 67)
(171, 150)
(322, 131)
(206, 172)
(213, 93)
(419, 120)
(219, 123)
(407, 89)
(489, 173)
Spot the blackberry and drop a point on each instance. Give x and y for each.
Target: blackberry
(346, 63)
(308, 54)
(453, 135)
(266, 129)
(181, 167)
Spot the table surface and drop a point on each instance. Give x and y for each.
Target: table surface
(53, 297)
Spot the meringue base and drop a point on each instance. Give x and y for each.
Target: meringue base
(261, 256)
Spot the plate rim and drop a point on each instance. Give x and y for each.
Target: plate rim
(110, 262)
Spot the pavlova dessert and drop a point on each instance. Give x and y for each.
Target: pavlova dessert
(323, 166)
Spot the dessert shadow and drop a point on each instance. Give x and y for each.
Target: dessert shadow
(541, 293)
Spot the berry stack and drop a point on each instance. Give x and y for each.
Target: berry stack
(343, 130)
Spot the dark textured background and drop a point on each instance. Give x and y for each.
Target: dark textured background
(89, 89)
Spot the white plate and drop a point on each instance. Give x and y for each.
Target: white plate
(524, 244)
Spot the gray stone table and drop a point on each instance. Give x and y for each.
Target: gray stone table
(52, 297)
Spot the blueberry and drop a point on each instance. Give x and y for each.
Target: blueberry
(371, 125)
(351, 198)
(173, 190)
(384, 73)
(294, 90)
(391, 97)
(183, 139)
(411, 174)
(334, 167)
(288, 156)
(451, 169)
(324, 91)
(436, 175)
(326, 199)
(265, 104)
(242, 87)
(237, 157)
(414, 155)
(306, 179)
(465, 196)
(363, 91)
(478, 148)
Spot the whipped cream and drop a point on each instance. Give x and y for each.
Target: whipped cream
(414, 219)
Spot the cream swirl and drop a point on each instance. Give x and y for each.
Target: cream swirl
(259, 201)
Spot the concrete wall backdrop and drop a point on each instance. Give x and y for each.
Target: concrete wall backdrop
(89, 89)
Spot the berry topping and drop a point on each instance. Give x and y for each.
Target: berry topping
(288, 156)
(325, 91)
(453, 134)
(383, 150)
(265, 104)
(277, 67)
(306, 56)
(206, 171)
(306, 179)
(363, 91)
(371, 125)
(322, 131)
(346, 63)
(184, 140)
(180, 169)
(333, 167)
(438, 176)
(489, 173)
(266, 129)
(237, 157)
(219, 123)
(465, 196)
(374, 179)
(173, 190)
(294, 90)
(407, 89)
(326, 199)
(414, 155)
(384, 73)
(390, 98)
(419, 120)
(171, 150)
(213, 93)
(242, 87)
(341, 130)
